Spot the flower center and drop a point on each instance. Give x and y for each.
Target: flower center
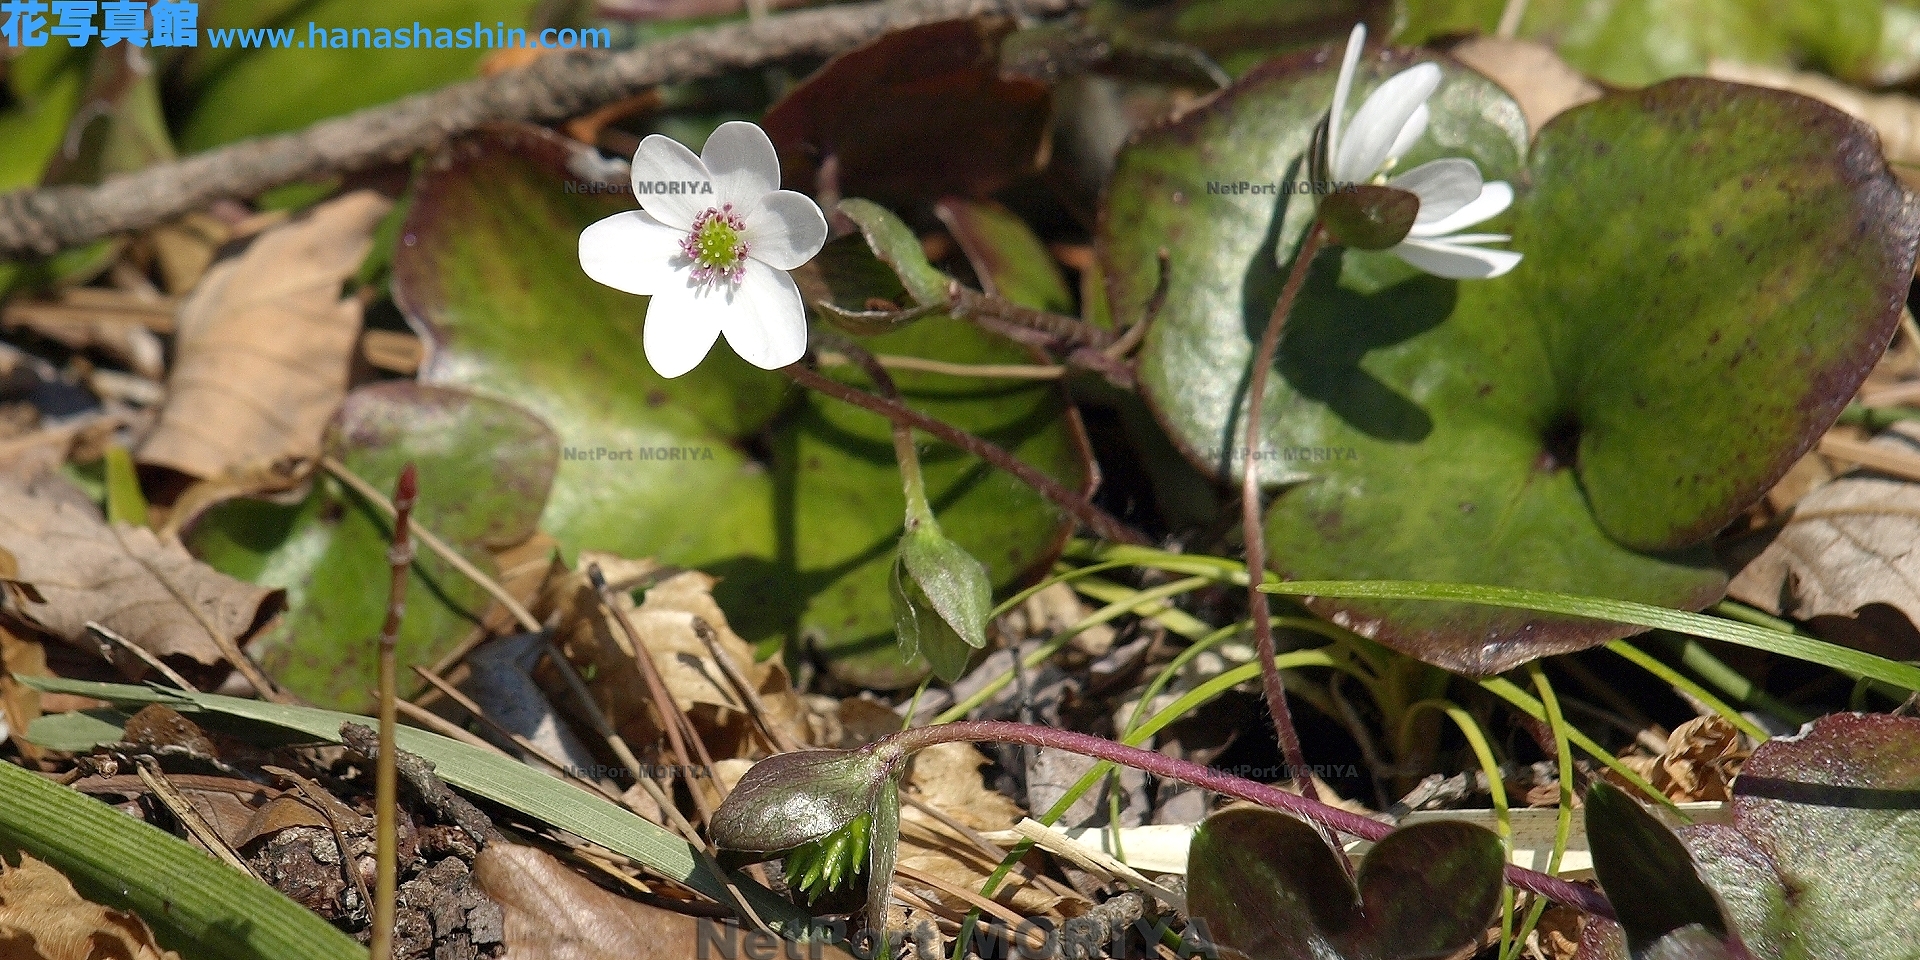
(715, 246)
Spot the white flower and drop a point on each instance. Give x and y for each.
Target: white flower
(712, 247)
(1452, 195)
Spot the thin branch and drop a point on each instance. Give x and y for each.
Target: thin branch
(1102, 523)
(553, 88)
(385, 783)
(1254, 530)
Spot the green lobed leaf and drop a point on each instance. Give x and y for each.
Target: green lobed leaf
(1270, 886)
(803, 538)
(485, 466)
(1822, 859)
(195, 904)
(1710, 270)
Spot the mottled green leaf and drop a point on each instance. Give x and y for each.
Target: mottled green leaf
(798, 500)
(1710, 270)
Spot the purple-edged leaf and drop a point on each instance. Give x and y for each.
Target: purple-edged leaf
(1822, 859)
(1646, 873)
(1603, 940)
(1269, 886)
(1709, 272)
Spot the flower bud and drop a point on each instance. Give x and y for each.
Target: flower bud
(941, 599)
(1369, 216)
(796, 798)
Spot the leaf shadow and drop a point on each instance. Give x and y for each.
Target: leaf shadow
(1333, 328)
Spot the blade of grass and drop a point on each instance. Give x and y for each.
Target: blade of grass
(1563, 818)
(1510, 692)
(1788, 644)
(502, 780)
(194, 903)
(1682, 682)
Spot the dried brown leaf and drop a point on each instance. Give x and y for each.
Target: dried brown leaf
(19, 703)
(74, 567)
(697, 684)
(43, 918)
(264, 344)
(1703, 756)
(1846, 546)
(947, 778)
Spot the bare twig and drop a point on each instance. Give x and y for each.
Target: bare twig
(183, 811)
(385, 795)
(554, 88)
(110, 639)
(776, 738)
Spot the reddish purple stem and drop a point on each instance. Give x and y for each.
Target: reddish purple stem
(1207, 778)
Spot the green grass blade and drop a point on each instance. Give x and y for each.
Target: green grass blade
(502, 780)
(197, 905)
(1903, 675)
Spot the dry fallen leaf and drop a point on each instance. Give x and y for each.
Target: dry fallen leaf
(947, 778)
(43, 918)
(1703, 755)
(697, 684)
(264, 343)
(1849, 545)
(19, 703)
(553, 913)
(120, 324)
(73, 567)
(1536, 77)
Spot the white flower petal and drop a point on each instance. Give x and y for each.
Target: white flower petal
(1344, 85)
(1379, 121)
(1493, 200)
(1457, 262)
(633, 252)
(1443, 186)
(762, 317)
(785, 229)
(742, 162)
(1457, 239)
(662, 166)
(1410, 134)
(680, 329)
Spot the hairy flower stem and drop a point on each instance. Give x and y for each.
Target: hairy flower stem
(1254, 529)
(385, 800)
(1102, 523)
(897, 747)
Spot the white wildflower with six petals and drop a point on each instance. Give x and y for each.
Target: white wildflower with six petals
(711, 245)
(1451, 193)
